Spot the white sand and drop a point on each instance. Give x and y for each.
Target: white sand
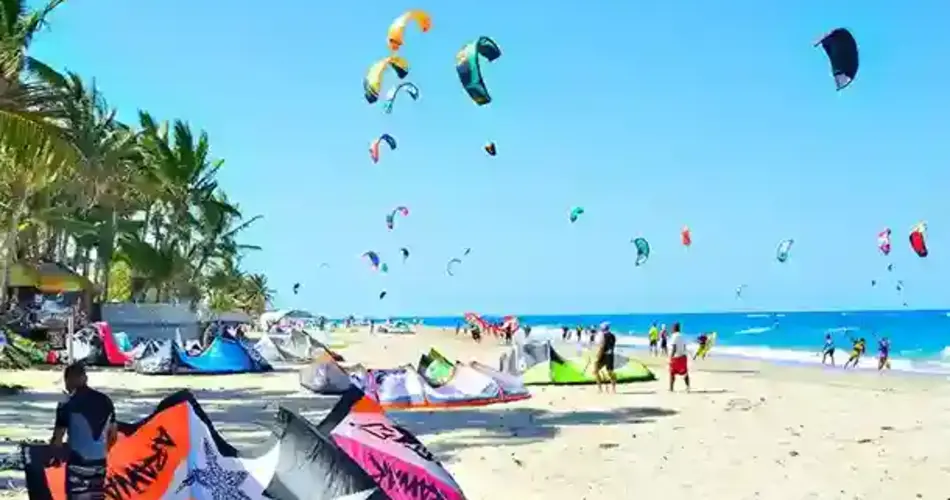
(748, 431)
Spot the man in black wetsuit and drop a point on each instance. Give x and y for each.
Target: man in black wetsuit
(605, 359)
(88, 419)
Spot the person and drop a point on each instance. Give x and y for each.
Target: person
(508, 334)
(703, 341)
(605, 359)
(883, 354)
(84, 431)
(857, 349)
(580, 332)
(527, 332)
(593, 334)
(458, 328)
(679, 357)
(828, 350)
(663, 340)
(565, 333)
(372, 326)
(476, 334)
(654, 336)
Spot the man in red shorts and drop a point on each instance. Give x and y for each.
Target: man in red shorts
(679, 357)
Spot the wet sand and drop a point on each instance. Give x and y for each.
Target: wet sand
(748, 430)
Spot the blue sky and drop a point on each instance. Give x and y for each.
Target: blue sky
(720, 115)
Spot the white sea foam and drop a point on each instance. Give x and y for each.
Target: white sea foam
(754, 331)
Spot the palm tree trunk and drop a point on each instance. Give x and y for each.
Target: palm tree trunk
(9, 247)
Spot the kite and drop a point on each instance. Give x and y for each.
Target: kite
(405, 253)
(373, 80)
(686, 237)
(296, 288)
(409, 87)
(382, 295)
(739, 290)
(490, 149)
(842, 51)
(324, 265)
(575, 213)
(373, 259)
(643, 251)
(781, 253)
(469, 68)
(884, 241)
(450, 265)
(384, 267)
(398, 28)
(466, 252)
(918, 240)
(374, 146)
(391, 217)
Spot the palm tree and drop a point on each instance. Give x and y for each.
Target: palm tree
(257, 294)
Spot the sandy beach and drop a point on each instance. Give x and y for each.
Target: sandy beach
(748, 430)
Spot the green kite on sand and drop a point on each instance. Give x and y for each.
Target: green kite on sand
(540, 364)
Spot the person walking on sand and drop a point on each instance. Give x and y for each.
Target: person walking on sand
(663, 340)
(679, 358)
(508, 334)
(828, 350)
(883, 354)
(84, 431)
(654, 336)
(565, 333)
(604, 363)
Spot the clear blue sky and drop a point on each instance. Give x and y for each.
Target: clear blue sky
(720, 115)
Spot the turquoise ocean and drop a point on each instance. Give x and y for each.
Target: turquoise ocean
(920, 339)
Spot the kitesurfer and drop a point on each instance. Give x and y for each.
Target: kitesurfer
(828, 350)
(679, 358)
(605, 359)
(703, 341)
(857, 350)
(883, 354)
(654, 336)
(87, 417)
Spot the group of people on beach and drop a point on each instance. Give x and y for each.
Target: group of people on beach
(858, 349)
(673, 345)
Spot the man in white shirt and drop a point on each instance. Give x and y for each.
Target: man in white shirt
(679, 357)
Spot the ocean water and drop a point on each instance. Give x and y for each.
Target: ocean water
(920, 340)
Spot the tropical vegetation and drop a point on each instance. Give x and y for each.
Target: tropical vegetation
(135, 206)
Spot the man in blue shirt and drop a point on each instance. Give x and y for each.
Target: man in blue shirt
(88, 419)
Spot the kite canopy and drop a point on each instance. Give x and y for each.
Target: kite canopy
(576, 212)
(374, 146)
(540, 364)
(373, 258)
(450, 266)
(842, 51)
(408, 88)
(176, 453)
(918, 239)
(469, 67)
(884, 241)
(643, 251)
(373, 80)
(784, 247)
(473, 384)
(397, 29)
(686, 237)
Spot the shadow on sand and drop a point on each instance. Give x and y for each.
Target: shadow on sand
(245, 417)
(511, 426)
